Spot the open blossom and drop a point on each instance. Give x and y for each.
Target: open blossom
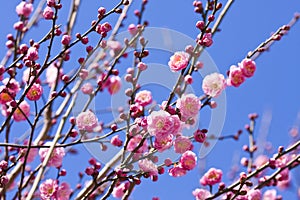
(114, 84)
(179, 61)
(116, 141)
(163, 143)
(270, 195)
(86, 121)
(52, 74)
(188, 160)
(213, 84)
(87, 88)
(32, 54)
(248, 67)
(35, 92)
(212, 177)
(143, 97)
(134, 143)
(161, 124)
(189, 106)
(22, 112)
(201, 194)
(182, 144)
(64, 191)
(48, 189)
(24, 9)
(56, 156)
(147, 165)
(177, 171)
(236, 76)
(132, 29)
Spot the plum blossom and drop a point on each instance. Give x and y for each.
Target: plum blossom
(188, 160)
(32, 54)
(24, 9)
(254, 194)
(147, 165)
(116, 141)
(22, 112)
(143, 97)
(56, 156)
(236, 76)
(178, 61)
(213, 84)
(134, 143)
(201, 194)
(270, 195)
(48, 13)
(48, 189)
(119, 190)
(64, 191)
(163, 143)
(177, 171)
(212, 177)
(86, 121)
(189, 106)
(114, 84)
(248, 67)
(66, 39)
(52, 74)
(87, 88)
(182, 144)
(35, 92)
(199, 136)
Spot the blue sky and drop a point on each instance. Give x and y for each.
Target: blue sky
(273, 92)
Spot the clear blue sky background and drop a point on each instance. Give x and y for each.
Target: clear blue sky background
(274, 89)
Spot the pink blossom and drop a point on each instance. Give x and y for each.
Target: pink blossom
(32, 54)
(182, 144)
(86, 121)
(206, 40)
(199, 136)
(83, 74)
(236, 76)
(52, 74)
(282, 161)
(178, 61)
(143, 98)
(24, 9)
(87, 88)
(270, 195)
(48, 189)
(64, 191)
(115, 47)
(22, 112)
(48, 13)
(19, 25)
(212, 177)
(201, 194)
(114, 84)
(142, 66)
(134, 143)
(132, 29)
(161, 124)
(120, 190)
(147, 165)
(4, 95)
(35, 92)
(213, 84)
(177, 171)
(27, 76)
(32, 154)
(105, 27)
(51, 3)
(248, 67)
(254, 195)
(116, 141)
(188, 160)
(189, 106)
(12, 85)
(56, 157)
(163, 143)
(66, 39)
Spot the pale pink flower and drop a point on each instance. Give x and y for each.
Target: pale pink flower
(212, 177)
(116, 141)
(35, 92)
(147, 165)
(31, 156)
(105, 27)
(56, 157)
(115, 47)
(86, 121)
(182, 144)
(161, 124)
(248, 67)
(254, 194)
(48, 189)
(188, 160)
(134, 143)
(282, 161)
(114, 84)
(189, 106)
(178, 61)
(201, 194)
(22, 112)
(66, 39)
(24, 8)
(87, 88)
(27, 78)
(64, 191)
(132, 29)
(120, 190)
(236, 76)
(177, 171)
(32, 54)
(163, 143)
(48, 13)
(52, 74)
(270, 195)
(213, 84)
(143, 97)
(12, 85)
